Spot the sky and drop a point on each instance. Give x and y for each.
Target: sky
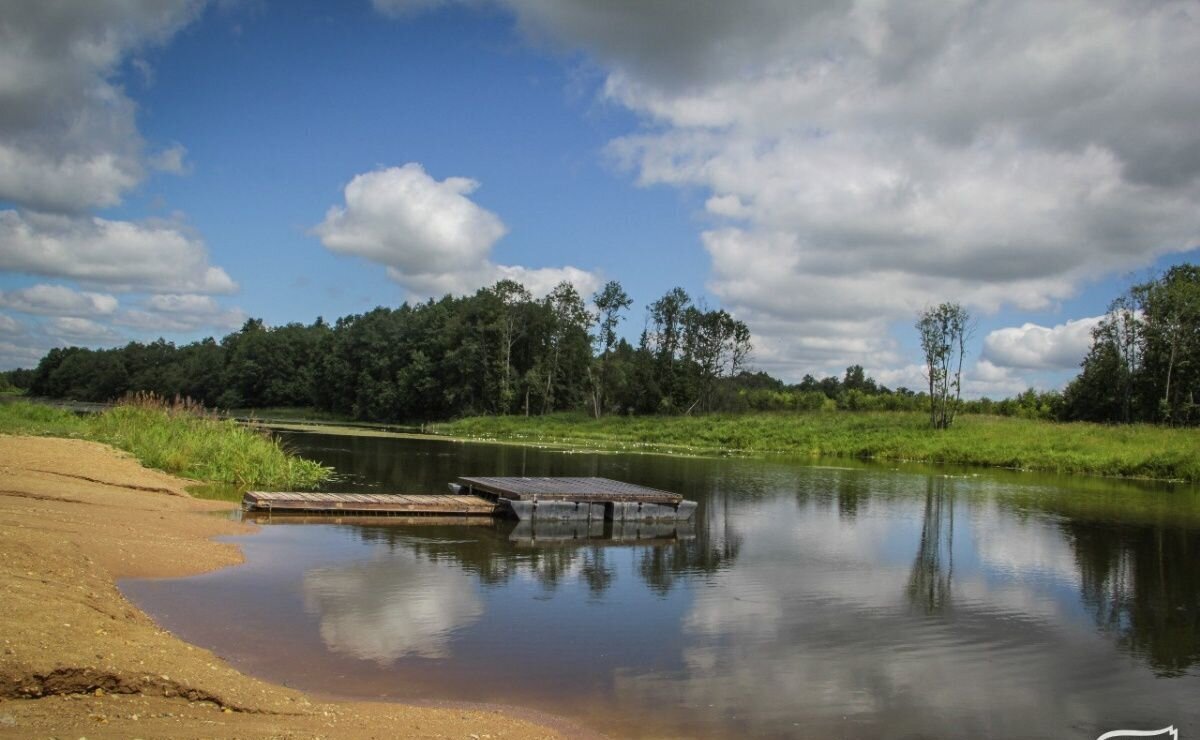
(822, 170)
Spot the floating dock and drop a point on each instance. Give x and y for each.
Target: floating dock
(368, 504)
(579, 499)
(525, 499)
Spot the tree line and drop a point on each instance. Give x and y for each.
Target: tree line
(1144, 363)
(499, 351)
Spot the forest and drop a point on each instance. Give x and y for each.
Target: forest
(502, 351)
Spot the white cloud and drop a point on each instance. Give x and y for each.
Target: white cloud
(14, 355)
(993, 381)
(58, 300)
(68, 138)
(430, 235)
(403, 218)
(1034, 347)
(76, 330)
(9, 325)
(910, 376)
(980, 379)
(181, 312)
(865, 159)
(145, 256)
(172, 159)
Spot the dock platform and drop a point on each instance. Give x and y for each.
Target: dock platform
(579, 499)
(368, 504)
(545, 499)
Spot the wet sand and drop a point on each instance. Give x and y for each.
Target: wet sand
(78, 659)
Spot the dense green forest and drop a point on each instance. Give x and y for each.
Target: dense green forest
(501, 351)
(1144, 364)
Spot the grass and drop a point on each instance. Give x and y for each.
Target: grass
(178, 438)
(1135, 451)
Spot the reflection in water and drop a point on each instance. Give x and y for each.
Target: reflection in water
(1143, 585)
(823, 602)
(385, 609)
(933, 568)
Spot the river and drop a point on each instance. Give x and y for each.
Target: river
(841, 600)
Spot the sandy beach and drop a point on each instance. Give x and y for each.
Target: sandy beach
(77, 659)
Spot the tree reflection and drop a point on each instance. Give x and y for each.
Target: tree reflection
(932, 570)
(554, 553)
(1142, 584)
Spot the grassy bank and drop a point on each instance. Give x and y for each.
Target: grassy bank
(176, 438)
(1137, 451)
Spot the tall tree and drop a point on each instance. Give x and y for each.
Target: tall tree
(569, 320)
(1169, 312)
(611, 301)
(513, 298)
(944, 331)
(715, 345)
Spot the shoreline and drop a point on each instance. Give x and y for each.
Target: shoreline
(77, 657)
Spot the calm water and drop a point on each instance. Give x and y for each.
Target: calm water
(828, 602)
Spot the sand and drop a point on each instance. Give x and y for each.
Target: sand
(77, 659)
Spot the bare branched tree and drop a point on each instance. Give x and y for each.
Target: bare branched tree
(944, 332)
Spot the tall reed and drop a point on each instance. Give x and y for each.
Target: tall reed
(177, 436)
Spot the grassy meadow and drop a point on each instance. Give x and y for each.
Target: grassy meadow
(177, 438)
(1134, 451)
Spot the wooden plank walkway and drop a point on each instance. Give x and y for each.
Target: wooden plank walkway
(583, 490)
(378, 503)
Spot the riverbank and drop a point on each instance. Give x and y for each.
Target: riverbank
(178, 438)
(78, 659)
(1131, 451)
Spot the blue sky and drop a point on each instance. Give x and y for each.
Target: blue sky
(821, 172)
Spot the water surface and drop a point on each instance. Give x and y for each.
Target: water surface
(851, 601)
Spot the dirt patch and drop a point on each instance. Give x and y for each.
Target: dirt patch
(76, 658)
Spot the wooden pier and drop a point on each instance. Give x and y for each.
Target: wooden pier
(378, 504)
(546, 499)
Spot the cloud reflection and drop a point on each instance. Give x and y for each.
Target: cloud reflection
(813, 622)
(383, 610)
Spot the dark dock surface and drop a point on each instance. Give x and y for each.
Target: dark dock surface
(369, 503)
(547, 499)
(581, 490)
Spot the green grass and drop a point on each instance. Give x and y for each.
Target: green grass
(1136, 451)
(177, 438)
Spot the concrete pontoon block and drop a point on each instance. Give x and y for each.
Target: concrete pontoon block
(686, 510)
(522, 510)
(622, 511)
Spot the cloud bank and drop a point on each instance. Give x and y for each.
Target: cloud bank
(70, 144)
(865, 159)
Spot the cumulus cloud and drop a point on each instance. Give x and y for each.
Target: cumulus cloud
(9, 325)
(19, 354)
(58, 300)
(403, 218)
(76, 330)
(865, 159)
(181, 312)
(979, 379)
(149, 256)
(68, 136)
(991, 380)
(430, 235)
(1035, 347)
